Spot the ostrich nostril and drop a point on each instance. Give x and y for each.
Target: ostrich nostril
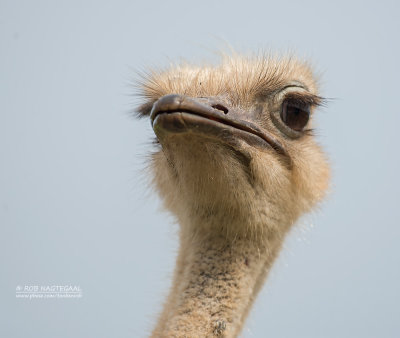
(220, 107)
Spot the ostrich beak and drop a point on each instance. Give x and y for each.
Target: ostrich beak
(182, 114)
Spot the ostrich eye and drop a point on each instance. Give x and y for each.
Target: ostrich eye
(295, 115)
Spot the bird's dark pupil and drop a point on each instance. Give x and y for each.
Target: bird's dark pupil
(294, 117)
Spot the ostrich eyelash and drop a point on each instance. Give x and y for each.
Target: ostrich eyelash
(144, 109)
(302, 99)
(309, 132)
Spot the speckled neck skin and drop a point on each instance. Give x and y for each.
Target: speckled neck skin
(231, 230)
(215, 284)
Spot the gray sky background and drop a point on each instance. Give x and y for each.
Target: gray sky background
(74, 207)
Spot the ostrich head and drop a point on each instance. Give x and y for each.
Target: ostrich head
(235, 142)
(237, 163)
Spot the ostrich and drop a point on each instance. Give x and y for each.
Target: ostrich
(236, 164)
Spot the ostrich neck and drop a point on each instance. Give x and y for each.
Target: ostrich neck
(215, 283)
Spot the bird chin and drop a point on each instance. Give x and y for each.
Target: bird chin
(167, 125)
